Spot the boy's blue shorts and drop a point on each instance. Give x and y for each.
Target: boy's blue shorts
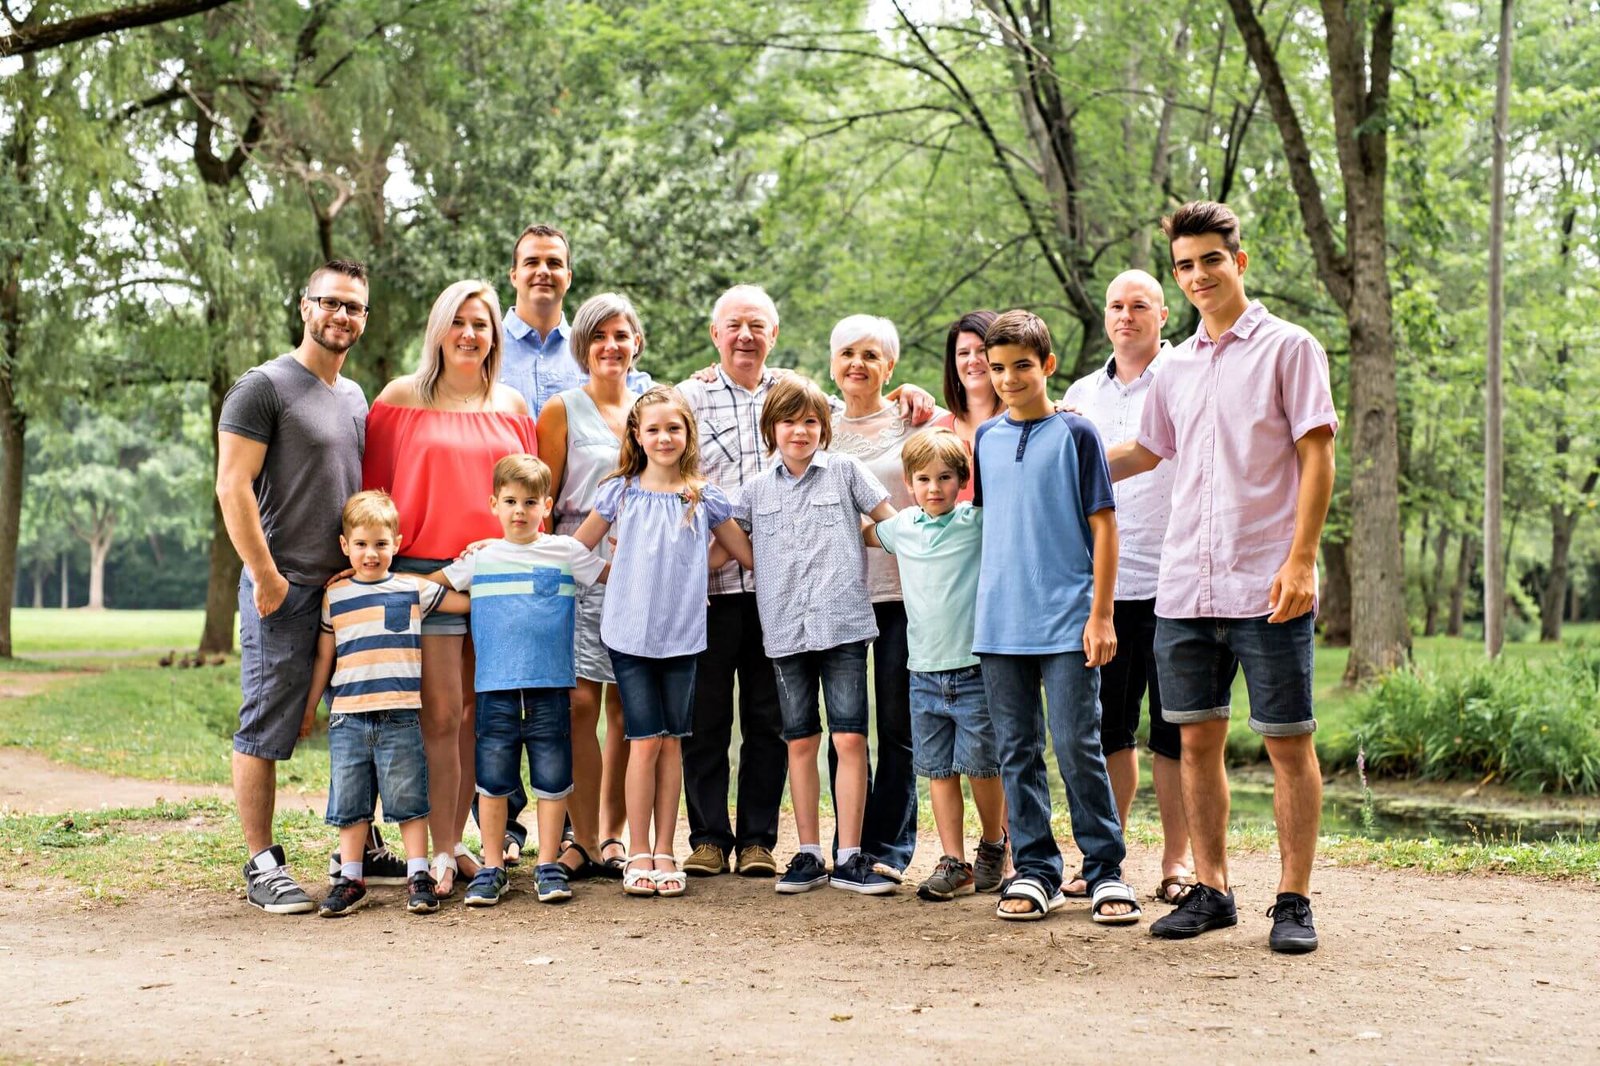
(951, 732)
(535, 720)
(372, 754)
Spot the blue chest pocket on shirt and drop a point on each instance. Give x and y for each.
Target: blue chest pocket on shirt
(546, 581)
(396, 616)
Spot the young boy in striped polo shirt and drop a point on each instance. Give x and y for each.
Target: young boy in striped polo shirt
(371, 649)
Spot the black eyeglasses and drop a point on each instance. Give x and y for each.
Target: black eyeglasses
(332, 304)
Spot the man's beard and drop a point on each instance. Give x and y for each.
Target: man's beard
(330, 343)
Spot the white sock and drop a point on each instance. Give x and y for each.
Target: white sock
(352, 871)
(416, 866)
(845, 855)
(813, 850)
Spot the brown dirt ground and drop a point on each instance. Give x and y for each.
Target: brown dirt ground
(1454, 969)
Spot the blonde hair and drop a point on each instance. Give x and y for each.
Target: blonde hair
(524, 469)
(790, 397)
(444, 311)
(936, 445)
(596, 311)
(372, 508)
(631, 462)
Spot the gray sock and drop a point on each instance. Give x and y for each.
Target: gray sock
(353, 871)
(416, 866)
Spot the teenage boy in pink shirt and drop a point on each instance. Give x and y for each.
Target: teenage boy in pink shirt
(1244, 410)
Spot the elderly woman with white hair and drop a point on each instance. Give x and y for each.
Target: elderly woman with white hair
(865, 349)
(433, 438)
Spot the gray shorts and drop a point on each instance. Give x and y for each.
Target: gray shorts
(437, 624)
(590, 657)
(275, 657)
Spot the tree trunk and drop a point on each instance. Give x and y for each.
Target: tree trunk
(222, 586)
(38, 586)
(99, 548)
(1380, 636)
(1458, 591)
(1553, 598)
(1441, 546)
(1494, 568)
(13, 420)
(66, 572)
(1335, 599)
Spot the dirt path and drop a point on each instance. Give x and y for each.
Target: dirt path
(32, 784)
(1412, 967)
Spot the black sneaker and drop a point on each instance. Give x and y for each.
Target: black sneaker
(805, 872)
(379, 865)
(270, 886)
(345, 897)
(420, 898)
(1202, 910)
(856, 874)
(1292, 931)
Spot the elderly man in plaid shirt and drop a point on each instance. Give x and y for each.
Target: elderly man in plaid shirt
(727, 405)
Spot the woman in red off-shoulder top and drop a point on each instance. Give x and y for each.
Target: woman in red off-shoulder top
(433, 438)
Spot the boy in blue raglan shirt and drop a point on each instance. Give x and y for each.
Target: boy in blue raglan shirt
(523, 611)
(1045, 583)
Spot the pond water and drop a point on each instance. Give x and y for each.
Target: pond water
(1397, 813)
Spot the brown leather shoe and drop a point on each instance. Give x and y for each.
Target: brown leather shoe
(757, 861)
(706, 860)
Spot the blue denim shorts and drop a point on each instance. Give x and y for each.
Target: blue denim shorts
(1198, 658)
(842, 674)
(657, 695)
(275, 656)
(951, 732)
(437, 624)
(535, 720)
(372, 754)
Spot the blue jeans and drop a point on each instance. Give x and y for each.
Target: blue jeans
(535, 720)
(372, 754)
(275, 656)
(1072, 694)
(1199, 656)
(657, 694)
(842, 674)
(950, 724)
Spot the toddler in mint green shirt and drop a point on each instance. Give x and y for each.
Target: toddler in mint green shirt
(938, 545)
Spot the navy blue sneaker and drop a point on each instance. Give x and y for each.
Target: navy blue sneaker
(551, 883)
(856, 874)
(487, 887)
(805, 872)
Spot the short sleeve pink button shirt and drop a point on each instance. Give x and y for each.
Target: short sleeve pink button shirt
(1228, 412)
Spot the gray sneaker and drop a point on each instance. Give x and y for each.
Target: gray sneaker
(988, 871)
(951, 878)
(270, 886)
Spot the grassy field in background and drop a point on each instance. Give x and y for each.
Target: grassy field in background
(184, 717)
(35, 630)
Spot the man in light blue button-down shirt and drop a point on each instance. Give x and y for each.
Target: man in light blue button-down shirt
(538, 358)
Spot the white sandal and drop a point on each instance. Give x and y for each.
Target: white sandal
(442, 864)
(463, 852)
(676, 878)
(638, 882)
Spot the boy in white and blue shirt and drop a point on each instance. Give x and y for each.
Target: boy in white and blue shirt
(938, 544)
(523, 613)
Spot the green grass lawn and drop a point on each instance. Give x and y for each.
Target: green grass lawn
(35, 630)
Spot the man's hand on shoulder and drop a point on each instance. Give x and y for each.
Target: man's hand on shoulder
(1294, 589)
(916, 403)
